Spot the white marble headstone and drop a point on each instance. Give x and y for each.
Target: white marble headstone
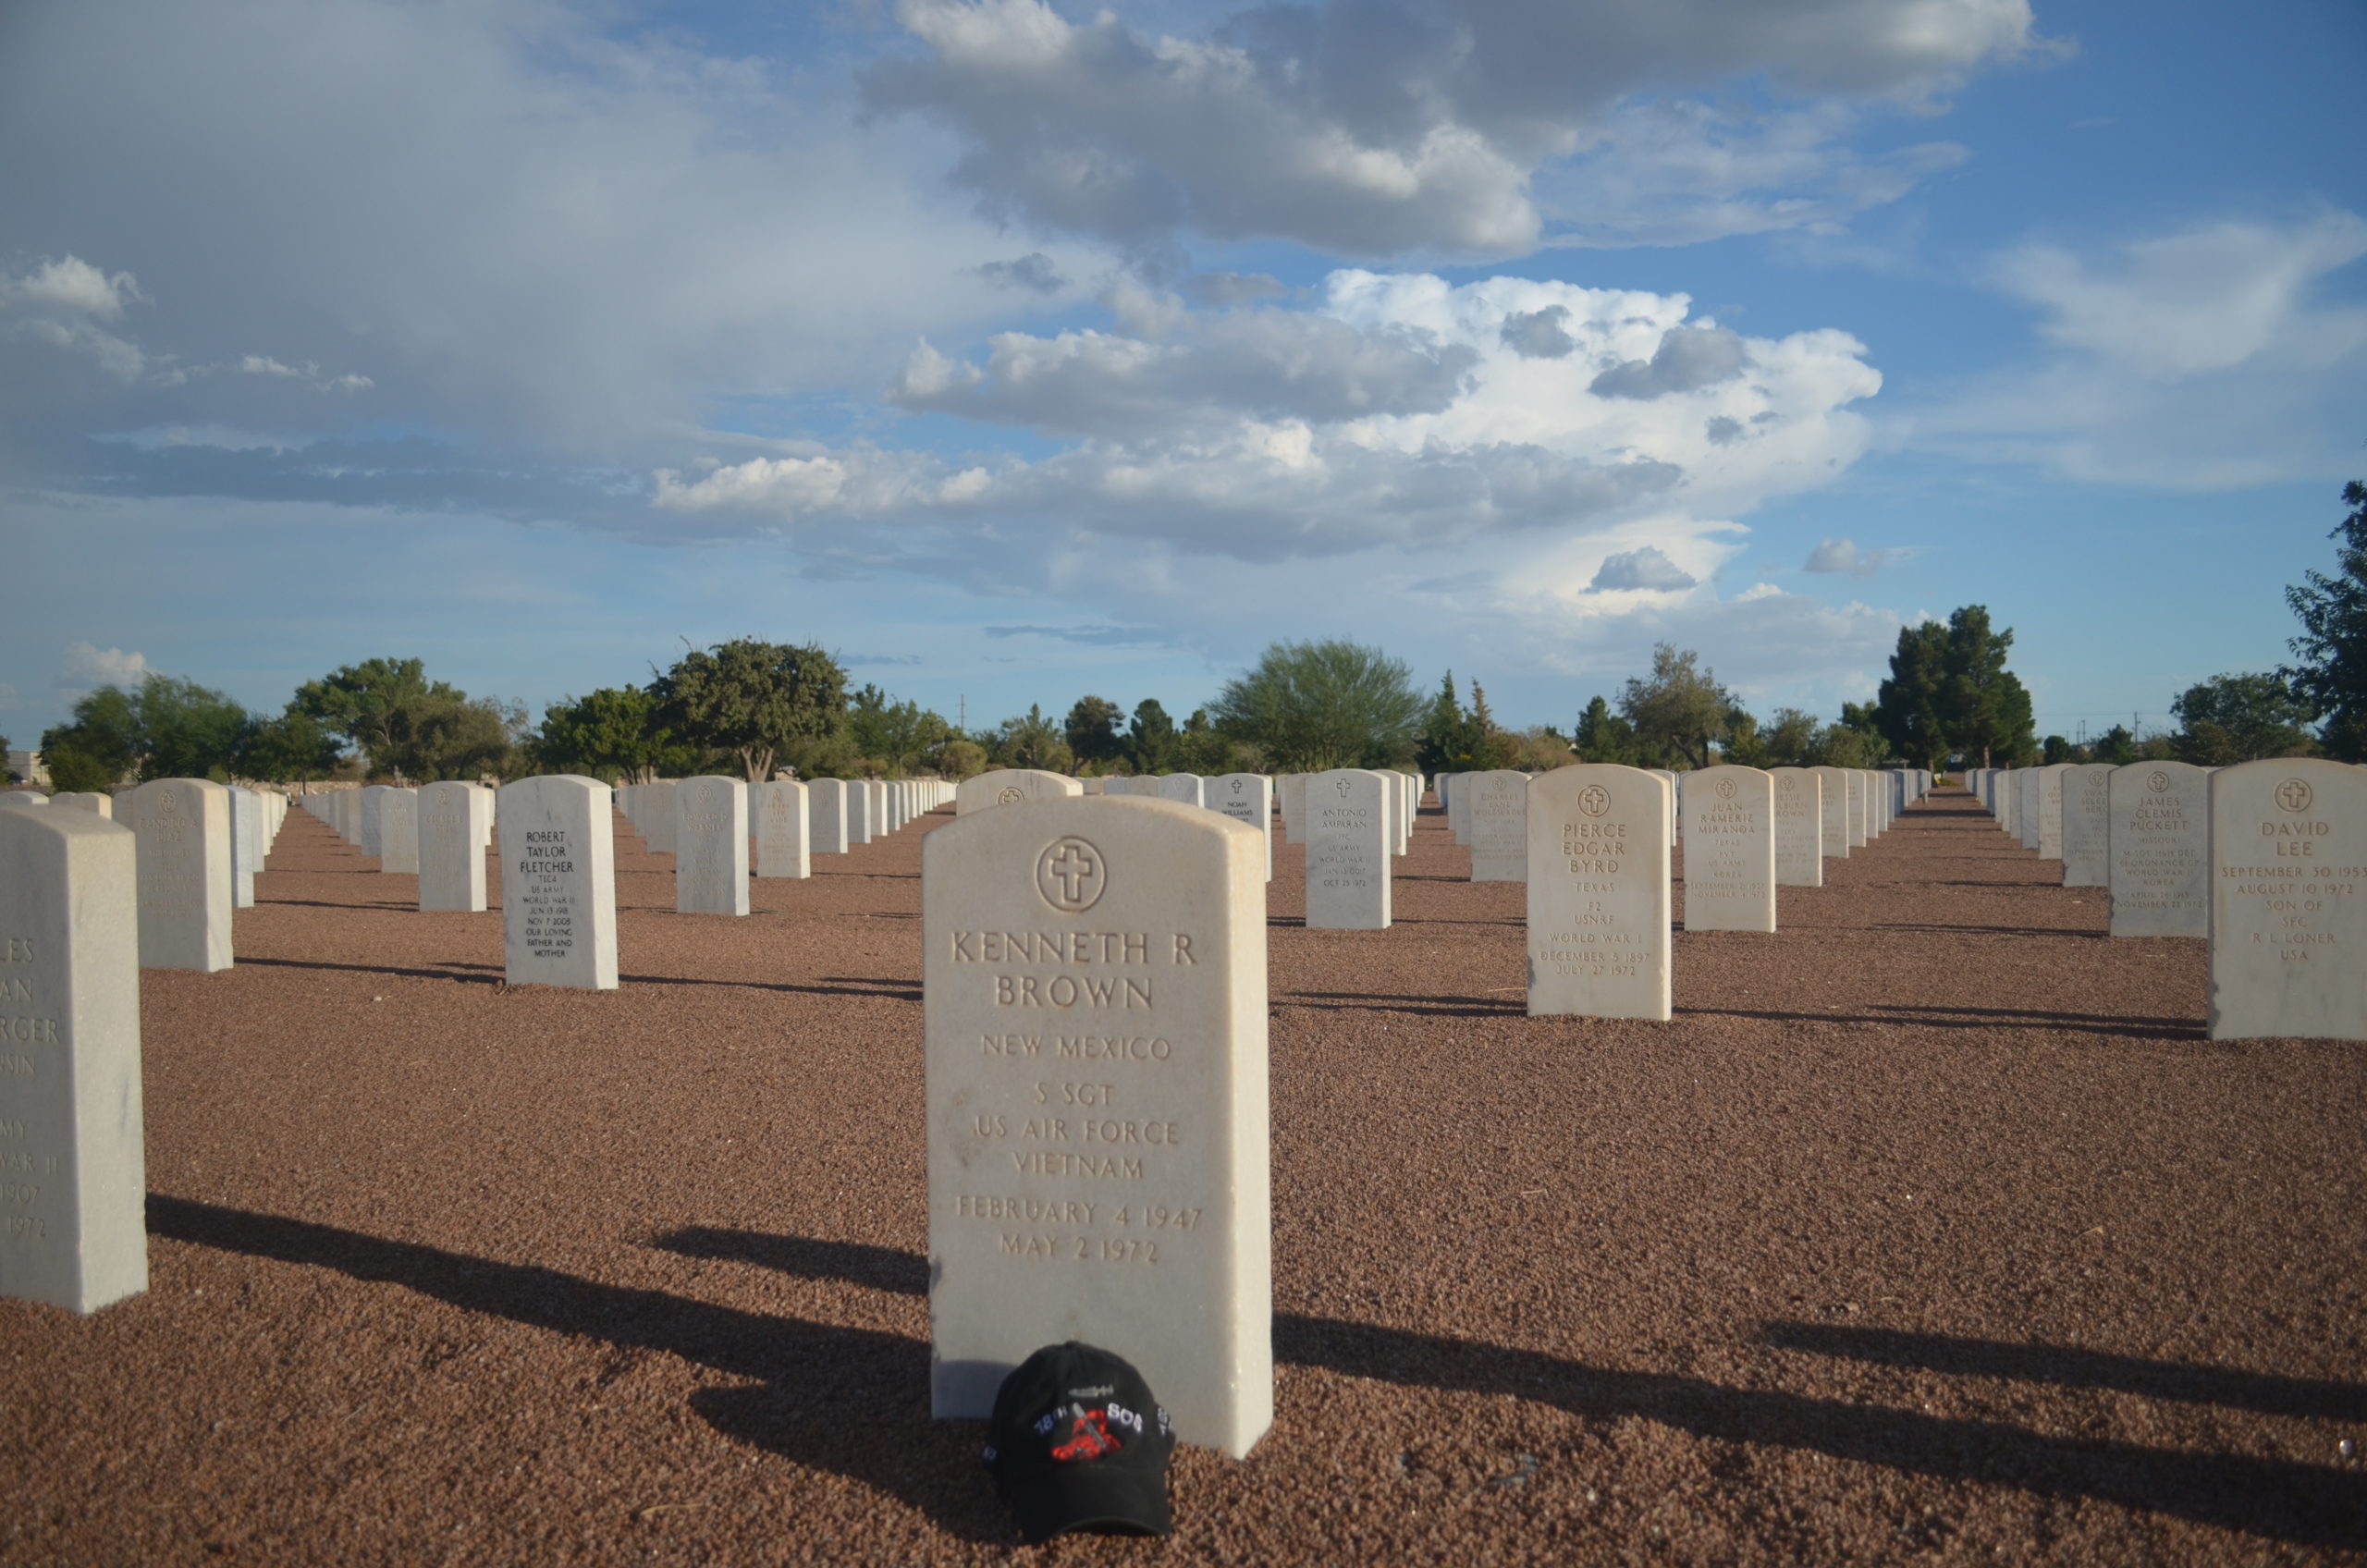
(452, 825)
(1497, 813)
(2161, 849)
(1347, 853)
(2288, 904)
(1799, 827)
(184, 855)
(1095, 996)
(783, 845)
(1599, 892)
(559, 883)
(1729, 850)
(711, 846)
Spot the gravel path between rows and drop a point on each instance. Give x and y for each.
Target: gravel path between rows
(1931, 1230)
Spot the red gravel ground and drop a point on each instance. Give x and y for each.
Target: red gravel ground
(1931, 1230)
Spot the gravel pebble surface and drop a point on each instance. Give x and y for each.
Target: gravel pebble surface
(1931, 1230)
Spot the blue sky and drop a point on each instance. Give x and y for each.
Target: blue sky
(1017, 350)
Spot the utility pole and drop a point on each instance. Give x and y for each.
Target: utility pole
(962, 723)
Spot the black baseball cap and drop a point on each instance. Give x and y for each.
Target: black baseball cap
(1076, 1442)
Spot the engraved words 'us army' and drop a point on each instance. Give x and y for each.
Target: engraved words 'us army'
(1072, 875)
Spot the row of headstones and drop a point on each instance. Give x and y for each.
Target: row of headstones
(2265, 860)
(1096, 1004)
(199, 846)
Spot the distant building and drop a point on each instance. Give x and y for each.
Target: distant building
(27, 766)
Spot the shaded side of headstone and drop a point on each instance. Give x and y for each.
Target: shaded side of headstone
(1599, 902)
(2161, 849)
(1833, 783)
(2087, 825)
(2050, 810)
(2288, 900)
(657, 826)
(1669, 778)
(783, 842)
(1248, 799)
(399, 831)
(1799, 827)
(1729, 850)
(1293, 786)
(559, 883)
(826, 801)
(1094, 998)
(1498, 814)
(184, 853)
(73, 1180)
(1854, 781)
(1347, 851)
(452, 820)
(246, 846)
(711, 846)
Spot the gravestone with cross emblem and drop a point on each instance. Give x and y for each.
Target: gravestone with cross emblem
(2289, 900)
(452, 821)
(2161, 849)
(776, 810)
(1014, 786)
(1599, 892)
(1497, 809)
(1347, 852)
(1729, 850)
(1095, 1004)
(184, 855)
(559, 883)
(711, 846)
(73, 1187)
(1799, 827)
(1247, 798)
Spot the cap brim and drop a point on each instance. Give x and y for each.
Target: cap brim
(1091, 1499)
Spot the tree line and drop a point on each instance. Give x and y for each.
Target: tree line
(756, 707)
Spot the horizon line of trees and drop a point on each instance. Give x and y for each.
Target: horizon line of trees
(755, 708)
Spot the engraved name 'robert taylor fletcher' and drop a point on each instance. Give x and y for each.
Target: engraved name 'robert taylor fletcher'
(1095, 986)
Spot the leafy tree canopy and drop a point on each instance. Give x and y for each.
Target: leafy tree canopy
(167, 728)
(1030, 740)
(1092, 731)
(1150, 739)
(1604, 737)
(1679, 711)
(1459, 739)
(2233, 718)
(752, 699)
(1949, 692)
(407, 726)
(294, 745)
(612, 733)
(2331, 674)
(1310, 706)
(893, 736)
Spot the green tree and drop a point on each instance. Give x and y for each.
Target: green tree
(293, 746)
(752, 699)
(2116, 746)
(1032, 740)
(1985, 711)
(1604, 737)
(1789, 740)
(1203, 748)
(1310, 706)
(99, 746)
(2233, 718)
(1745, 747)
(1092, 731)
(2331, 676)
(1150, 739)
(1455, 739)
(1678, 711)
(893, 735)
(961, 758)
(1909, 709)
(612, 733)
(2053, 749)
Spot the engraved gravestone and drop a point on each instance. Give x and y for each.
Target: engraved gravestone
(859, 826)
(711, 846)
(452, 819)
(782, 846)
(24, 798)
(1799, 827)
(1012, 786)
(73, 1184)
(559, 883)
(369, 802)
(1498, 814)
(399, 831)
(1247, 798)
(246, 853)
(85, 800)
(1094, 1002)
(2288, 922)
(184, 855)
(1729, 850)
(2028, 798)
(2161, 849)
(657, 827)
(1853, 780)
(2087, 825)
(1599, 898)
(1347, 851)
